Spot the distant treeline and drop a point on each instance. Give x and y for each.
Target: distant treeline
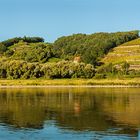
(12, 41)
(91, 47)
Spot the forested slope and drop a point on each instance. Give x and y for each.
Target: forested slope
(31, 57)
(91, 47)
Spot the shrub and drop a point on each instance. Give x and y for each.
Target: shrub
(100, 76)
(2, 48)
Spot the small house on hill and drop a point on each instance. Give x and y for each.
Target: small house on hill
(77, 59)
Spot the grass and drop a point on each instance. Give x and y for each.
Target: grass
(120, 54)
(67, 82)
(129, 52)
(54, 60)
(133, 42)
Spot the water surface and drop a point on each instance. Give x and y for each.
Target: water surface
(70, 114)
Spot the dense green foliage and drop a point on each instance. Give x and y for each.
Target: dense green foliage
(15, 40)
(91, 47)
(30, 57)
(36, 52)
(63, 69)
(121, 71)
(2, 48)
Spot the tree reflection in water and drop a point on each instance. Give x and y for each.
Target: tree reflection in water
(77, 109)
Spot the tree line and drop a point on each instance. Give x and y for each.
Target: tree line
(91, 47)
(28, 57)
(7, 43)
(63, 69)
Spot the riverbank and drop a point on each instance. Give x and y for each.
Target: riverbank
(72, 82)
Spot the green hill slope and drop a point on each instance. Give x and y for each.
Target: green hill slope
(91, 47)
(133, 42)
(128, 52)
(31, 57)
(30, 52)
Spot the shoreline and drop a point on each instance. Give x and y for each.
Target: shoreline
(70, 86)
(62, 83)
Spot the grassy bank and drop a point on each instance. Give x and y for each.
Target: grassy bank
(74, 82)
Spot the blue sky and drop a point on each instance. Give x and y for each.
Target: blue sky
(54, 18)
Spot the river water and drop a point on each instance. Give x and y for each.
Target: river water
(70, 114)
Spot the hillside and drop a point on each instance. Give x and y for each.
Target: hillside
(128, 52)
(91, 47)
(31, 57)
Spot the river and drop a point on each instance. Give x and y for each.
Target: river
(69, 113)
